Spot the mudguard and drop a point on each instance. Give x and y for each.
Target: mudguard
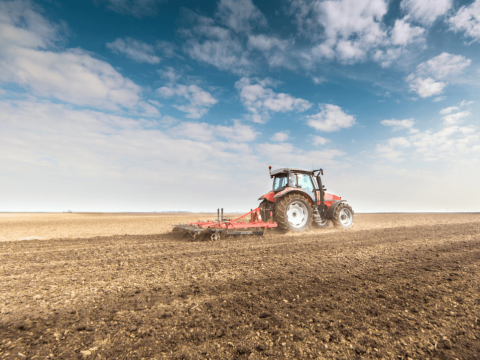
(268, 196)
(331, 209)
(297, 190)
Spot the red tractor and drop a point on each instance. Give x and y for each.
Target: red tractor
(297, 199)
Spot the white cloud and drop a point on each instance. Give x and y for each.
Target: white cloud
(443, 65)
(465, 103)
(317, 80)
(199, 101)
(350, 51)
(448, 110)
(167, 48)
(169, 73)
(276, 51)
(424, 81)
(451, 143)
(223, 41)
(388, 56)
(426, 11)
(227, 41)
(318, 140)
(330, 118)
(207, 132)
(237, 132)
(403, 33)
(280, 136)
(225, 55)
(137, 8)
(399, 141)
(400, 124)
(240, 15)
(263, 42)
(467, 19)
(22, 26)
(214, 45)
(135, 50)
(73, 75)
(261, 100)
(146, 109)
(456, 118)
(439, 98)
(285, 154)
(348, 29)
(389, 150)
(425, 87)
(351, 31)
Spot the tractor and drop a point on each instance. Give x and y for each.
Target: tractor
(297, 199)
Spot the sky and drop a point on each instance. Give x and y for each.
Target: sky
(162, 105)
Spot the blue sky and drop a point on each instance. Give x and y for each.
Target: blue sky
(151, 105)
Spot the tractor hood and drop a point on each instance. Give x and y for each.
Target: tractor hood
(331, 197)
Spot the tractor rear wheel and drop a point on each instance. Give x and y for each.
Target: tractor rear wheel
(293, 213)
(343, 216)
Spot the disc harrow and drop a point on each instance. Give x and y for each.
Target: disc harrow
(224, 227)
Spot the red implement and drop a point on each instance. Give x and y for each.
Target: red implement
(256, 225)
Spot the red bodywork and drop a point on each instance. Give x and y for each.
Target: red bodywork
(269, 196)
(329, 198)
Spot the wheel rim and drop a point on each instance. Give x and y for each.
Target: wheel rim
(297, 214)
(345, 217)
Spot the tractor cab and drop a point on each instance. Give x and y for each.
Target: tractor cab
(296, 179)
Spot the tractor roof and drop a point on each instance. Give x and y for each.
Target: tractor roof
(287, 170)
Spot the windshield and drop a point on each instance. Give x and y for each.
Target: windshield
(280, 182)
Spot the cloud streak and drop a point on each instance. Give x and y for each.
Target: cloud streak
(135, 50)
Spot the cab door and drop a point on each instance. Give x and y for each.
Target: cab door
(305, 182)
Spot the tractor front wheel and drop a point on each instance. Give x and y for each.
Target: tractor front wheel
(293, 213)
(343, 216)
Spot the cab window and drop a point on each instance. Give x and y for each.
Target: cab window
(279, 183)
(305, 182)
(292, 182)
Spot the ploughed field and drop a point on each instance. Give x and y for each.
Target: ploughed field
(396, 286)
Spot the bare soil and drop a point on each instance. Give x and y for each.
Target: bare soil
(397, 286)
(42, 226)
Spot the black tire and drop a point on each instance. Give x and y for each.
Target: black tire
(293, 212)
(344, 217)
